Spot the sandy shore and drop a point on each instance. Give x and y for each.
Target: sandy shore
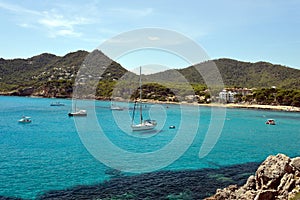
(256, 106)
(233, 105)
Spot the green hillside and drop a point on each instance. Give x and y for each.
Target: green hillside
(49, 75)
(239, 74)
(259, 74)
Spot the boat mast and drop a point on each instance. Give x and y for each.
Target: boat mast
(140, 83)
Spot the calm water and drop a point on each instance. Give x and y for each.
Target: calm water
(48, 153)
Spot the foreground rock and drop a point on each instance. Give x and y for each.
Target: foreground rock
(277, 178)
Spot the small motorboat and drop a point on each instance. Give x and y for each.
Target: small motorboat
(270, 122)
(25, 120)
(172, 127)
(78, 113)
(114, 107)
(57, 104)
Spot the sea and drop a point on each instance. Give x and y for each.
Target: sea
(55, 151)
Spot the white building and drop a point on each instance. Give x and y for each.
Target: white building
(227, 96)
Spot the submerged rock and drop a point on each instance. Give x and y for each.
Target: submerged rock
(276, 178)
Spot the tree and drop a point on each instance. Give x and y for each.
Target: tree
(296, 100)
(238, 98)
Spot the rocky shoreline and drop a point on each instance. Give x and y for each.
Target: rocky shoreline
(277, 178)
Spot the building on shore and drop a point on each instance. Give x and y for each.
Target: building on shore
(228, 95)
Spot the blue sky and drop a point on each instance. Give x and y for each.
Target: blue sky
(247, 30)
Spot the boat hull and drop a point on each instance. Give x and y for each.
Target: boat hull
(141, 127)
(57, 104)
(270, 122)
(146, 125)
(76, 114)
(81, 113)
(25, 120)
(117, 108)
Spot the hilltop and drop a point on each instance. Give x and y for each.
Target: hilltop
(49, 75)
(242, 74)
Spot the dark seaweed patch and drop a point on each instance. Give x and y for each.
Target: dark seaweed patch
(184, 184)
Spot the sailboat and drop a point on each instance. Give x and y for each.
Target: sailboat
(25, 120)
(144, 124)
(116, 107)
(82, 113)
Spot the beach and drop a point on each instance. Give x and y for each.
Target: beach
(257, 106)
(234, 105)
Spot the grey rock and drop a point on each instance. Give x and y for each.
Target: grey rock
(269, 173)
(277, 178)
(266, 195)
(286, 183)
(250, 184)
(295, 162)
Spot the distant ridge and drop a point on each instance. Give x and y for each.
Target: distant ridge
(242, 74)
(259, 74)
(49, 75)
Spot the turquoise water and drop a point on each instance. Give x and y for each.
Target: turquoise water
(48, 154)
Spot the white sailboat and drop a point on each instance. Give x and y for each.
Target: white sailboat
(25, 119)
(76, 112)
(116, 107)
(144, 124)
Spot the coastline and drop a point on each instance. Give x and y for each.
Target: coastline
(256, 106)
(228, 105)
(233, 105)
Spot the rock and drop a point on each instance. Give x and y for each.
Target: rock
(23, 92)
(243, 194)
(286, 183)
(278, 177)
(269, 173)
(266, 195)
(250, 184)
(225, 193)
(295, 162)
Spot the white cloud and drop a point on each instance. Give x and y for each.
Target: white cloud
(132, 12)
(68, 33)
(53, 22)
(25, 25)
(52, 19)
(60, 25)
(17, 9)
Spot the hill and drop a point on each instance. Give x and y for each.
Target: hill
(49, 75)
(239, 74)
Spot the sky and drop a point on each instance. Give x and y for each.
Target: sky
(247, 30)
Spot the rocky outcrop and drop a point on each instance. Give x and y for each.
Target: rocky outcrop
(23, 92)
(277, 178)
